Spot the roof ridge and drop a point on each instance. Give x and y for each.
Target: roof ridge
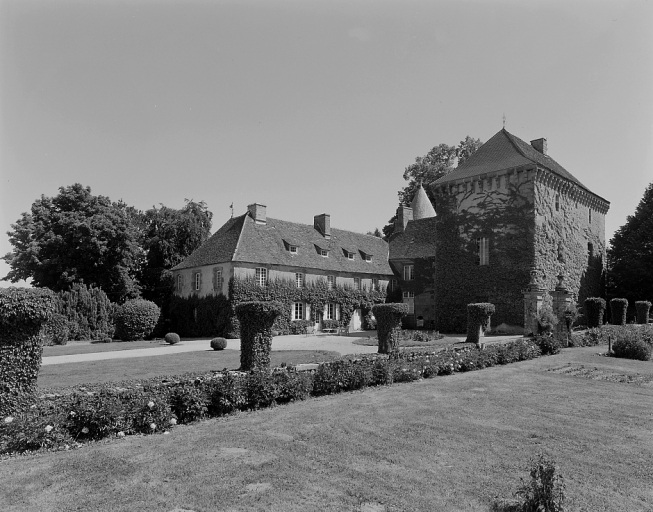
(510, 138)
(332, 228)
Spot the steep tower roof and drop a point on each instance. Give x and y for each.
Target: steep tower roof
(421, 205)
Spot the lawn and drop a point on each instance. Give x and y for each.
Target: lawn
(448, 443)
(92, 347)
(114, 370)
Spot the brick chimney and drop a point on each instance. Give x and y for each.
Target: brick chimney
(404, 216)
(540, 145)
(258, 212)
(322, 223)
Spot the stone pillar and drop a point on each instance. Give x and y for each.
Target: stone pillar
(561, 300)
(533, 297)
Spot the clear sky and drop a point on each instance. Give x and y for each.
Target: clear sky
(312, 107)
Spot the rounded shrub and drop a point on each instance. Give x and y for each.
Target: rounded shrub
(478, 319)
(256, 319)
(23, 311)
(388, 325)
(642, 307)
(172, 338)
(548, 344)
(106, 339)
(218, 343)
(136, 319)
(618, 309)
(594, 310)
(630, 344)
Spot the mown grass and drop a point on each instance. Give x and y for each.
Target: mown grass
(448, 443)
(115, 370)
(93, 347)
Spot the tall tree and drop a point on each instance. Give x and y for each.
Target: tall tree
(427, 169)
(77, 237)
(169, 236)
(630, 256)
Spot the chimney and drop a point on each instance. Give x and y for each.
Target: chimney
(540, 145)
(404, 216)
(257, 212)
(323, 224)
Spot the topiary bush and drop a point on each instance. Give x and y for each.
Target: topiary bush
(546, 320)
(548, 343)
(172, 338)
(633, 344)
(23, 312)
(300, 326)
(594, 310)
(218, 343)
(388, 322)
(618, 309)
(369, 322)
(88, 310)
(55, 331)
(642, 307)
(136, 319)
(256, 319)
(478, 320)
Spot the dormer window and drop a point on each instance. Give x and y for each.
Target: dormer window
(292, 249)
(324, 253)
(365, 256)
(348, 254)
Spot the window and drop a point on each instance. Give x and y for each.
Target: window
(557, 202)
(179, 283)
(350, 255)
(409, 298)
(590, 215)
(375, 284)
(483, 251)
(392, 285)
(409, 295)
(330, 311)
(498, 182)
(198, 280)
(409, 272)
(292, 249)
(357, 283)
(262, 276)
(323, 252)
(480, 185)
(590, 252)
(299, 279)
(331, 282)
(298, 311)
(217, 279)
(368, 257)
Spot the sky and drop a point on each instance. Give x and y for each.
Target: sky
(312, 107)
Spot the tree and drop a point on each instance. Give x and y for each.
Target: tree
(427, 169)
(630, 256)
(169, 236)
(76, 237)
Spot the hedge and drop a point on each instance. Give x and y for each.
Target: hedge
(23, 311)
(618, 309)
(256, 319)
(88, 310)
(136, 319)
(594, 310)
(642, 307)
(478, 318)
(388, 324)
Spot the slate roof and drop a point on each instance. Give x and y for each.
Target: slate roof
(503, 151)
(416, 241)
(243, 240)
(421, 205)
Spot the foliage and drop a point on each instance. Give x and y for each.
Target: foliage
(150, 414)
(330, 324)
(388, 317)
(369, 322)
(618, 308)
(548, 343)
(630, 256)
(546, 319)
(633, 342)
(172, 338)
(96, 416)
(594, 310)
(76, 237)
(478, 317)
(136, 319)
(55, 331)
(218, 343)
(642, 307)
(256, 319)
(438, 162)
(169, 236)
(201, 316)
(88, 310)
(545, 491)
(22, 313)
(300, 326)
(188, 403)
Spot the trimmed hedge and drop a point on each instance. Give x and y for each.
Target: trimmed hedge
(478, 317)
(256, 319)
(642, 307)
(618, 309)
(136, 319)
(633, 342)
(23, 311)
(56, 330)
(218, 343)
(172, 338)
(388, 325)
(594, 310)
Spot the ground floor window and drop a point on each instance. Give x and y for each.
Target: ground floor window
(330, 311)
(298, 311)
(409, 298)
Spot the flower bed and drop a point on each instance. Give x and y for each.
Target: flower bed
(71, 417)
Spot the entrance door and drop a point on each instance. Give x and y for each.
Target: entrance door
(356, 320)
(318, 321)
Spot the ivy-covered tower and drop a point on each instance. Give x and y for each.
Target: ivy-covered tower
(508, 209)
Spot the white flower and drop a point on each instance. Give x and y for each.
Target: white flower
(33, 406)
(166, 432)
(72, 414)
(121, 434)
(9, 419)
(85, 430)
(150, 404)
(49, 428)
(173, 421)
(153, 426)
